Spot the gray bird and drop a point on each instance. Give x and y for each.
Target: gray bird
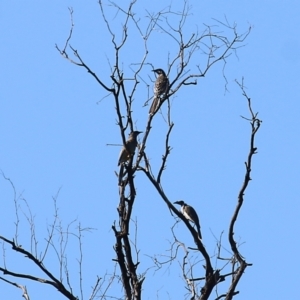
(190, 214)
(128, 150)
(161, 86)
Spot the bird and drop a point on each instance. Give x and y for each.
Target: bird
(129, 148)
(160, 87)
(190, 214)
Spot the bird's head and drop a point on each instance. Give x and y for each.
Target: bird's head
(159, 71)
(179, 202)
(135, 133)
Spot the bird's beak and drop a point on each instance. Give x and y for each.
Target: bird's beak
(176, 202)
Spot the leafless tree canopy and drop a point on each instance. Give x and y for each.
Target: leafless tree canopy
(193, 55)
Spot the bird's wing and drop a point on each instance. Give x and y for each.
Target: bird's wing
(124, 156)
(192, 214)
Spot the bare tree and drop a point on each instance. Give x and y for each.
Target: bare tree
(193, 55)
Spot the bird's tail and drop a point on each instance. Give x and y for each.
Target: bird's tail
(199, 232)
(121, 174)
(154, 105)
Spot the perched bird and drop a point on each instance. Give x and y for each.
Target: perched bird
(161, 86)
(190, 214)
(129, 148)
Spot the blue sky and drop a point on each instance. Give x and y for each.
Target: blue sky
(55, 127)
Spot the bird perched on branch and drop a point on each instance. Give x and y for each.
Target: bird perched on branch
(161, 86)
(129, 148)
(190, 214)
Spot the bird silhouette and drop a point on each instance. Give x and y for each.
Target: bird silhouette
(190, 214)
(129, 148)
(160, 87)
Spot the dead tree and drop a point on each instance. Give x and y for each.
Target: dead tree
(184, 68)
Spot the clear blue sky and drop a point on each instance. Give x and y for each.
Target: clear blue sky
(54, 135)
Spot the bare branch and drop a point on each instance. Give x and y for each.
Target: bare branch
(22, 287)
(54, 281)
(255, 125)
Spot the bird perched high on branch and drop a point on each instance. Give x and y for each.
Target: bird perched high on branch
(128, 150)
(161, 87)
(190, 214)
